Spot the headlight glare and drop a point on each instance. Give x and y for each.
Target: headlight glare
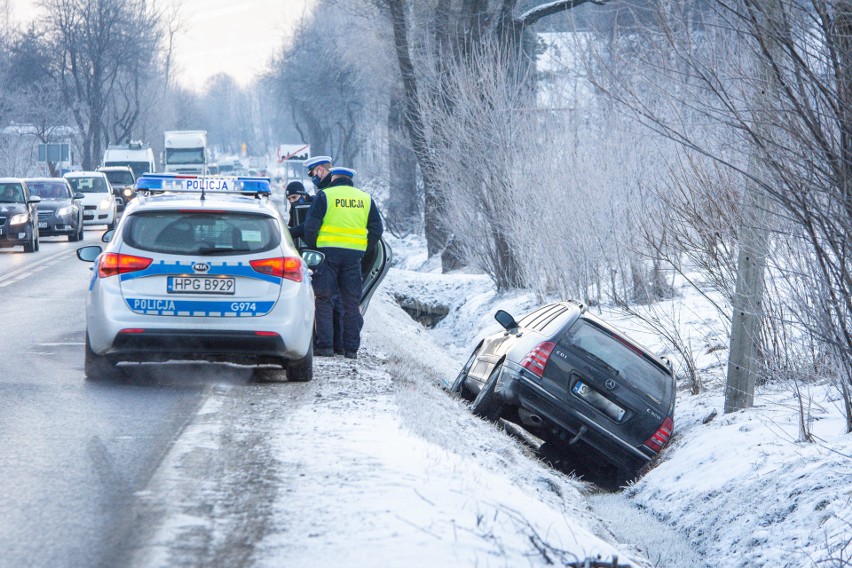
(18, 219)
(104, 204)
(63, 211)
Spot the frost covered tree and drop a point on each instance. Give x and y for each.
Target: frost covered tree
(105, 49)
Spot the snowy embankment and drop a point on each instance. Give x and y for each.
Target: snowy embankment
(373, 464)
(742, 489)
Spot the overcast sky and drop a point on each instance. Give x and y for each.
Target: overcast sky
(237, 37)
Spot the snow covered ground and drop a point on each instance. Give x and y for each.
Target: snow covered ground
(373, 464)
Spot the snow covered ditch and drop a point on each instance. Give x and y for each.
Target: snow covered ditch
(373, 464)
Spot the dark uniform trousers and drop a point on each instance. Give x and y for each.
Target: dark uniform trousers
(340, 271)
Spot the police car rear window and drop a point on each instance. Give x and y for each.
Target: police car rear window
(201, 233)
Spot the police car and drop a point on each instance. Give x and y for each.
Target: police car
(200, 269)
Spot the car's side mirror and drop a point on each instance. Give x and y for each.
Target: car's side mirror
(89, 253)
(107, 236)
(34, 199)
(312, 258)
(79, 195)
(505, 319)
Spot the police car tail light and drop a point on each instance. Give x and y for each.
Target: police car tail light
(112, 263)
(536, 360)
(289, 267)
(661, 436)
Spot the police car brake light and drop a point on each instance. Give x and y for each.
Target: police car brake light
(113, 263)
(289, 267)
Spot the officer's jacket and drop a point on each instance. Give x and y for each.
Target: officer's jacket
(344, 218)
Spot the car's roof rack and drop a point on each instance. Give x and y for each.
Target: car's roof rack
(202, 185)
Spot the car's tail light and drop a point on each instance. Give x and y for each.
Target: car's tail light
(266, 333)
(112, 263)
(661, 436)
(536, 360)
(289, 267)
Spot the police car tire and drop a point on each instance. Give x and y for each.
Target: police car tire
(302, 370)
(98, 367)
(487, 404)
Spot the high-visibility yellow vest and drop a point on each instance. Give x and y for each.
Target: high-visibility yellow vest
(345, 221)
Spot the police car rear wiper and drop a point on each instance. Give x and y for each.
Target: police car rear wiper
(214, 250)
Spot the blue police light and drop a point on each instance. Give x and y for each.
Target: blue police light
(196, 184)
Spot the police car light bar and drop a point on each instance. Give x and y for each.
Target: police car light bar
(177, 183)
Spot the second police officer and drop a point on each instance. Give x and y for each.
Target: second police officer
(343, 223)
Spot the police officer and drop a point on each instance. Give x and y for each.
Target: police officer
(343, 223)
(319, 168)
(298, 198)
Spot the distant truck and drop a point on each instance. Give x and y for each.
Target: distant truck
(136, 154)
(185, 152)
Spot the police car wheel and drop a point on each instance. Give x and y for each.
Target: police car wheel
(98, 367)
(302, 370)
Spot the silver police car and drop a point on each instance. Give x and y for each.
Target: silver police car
(200, 269)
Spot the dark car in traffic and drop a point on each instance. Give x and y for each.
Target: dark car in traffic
(60, 211)
(577, 383)
(123, 182)
(18, 215)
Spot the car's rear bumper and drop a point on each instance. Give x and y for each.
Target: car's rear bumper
(562, 422)
(235, 346)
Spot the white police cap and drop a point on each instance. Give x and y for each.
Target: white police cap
(338, 171)
(311, 163)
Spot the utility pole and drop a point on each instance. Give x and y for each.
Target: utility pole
(747, 318)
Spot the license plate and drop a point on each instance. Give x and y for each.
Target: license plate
(599, 401)
(200, 285)
(42, 225)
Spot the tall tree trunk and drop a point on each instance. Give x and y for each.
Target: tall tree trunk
(747, 318)
(436, 236)
(403, 209)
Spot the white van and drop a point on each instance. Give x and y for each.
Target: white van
(138, 155)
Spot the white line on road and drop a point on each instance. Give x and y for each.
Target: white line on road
(5, 279)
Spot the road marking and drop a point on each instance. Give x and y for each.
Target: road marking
(13, 276)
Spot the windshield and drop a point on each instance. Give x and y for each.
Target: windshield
(88, 184)
(120, 178)
(619, 357)
(138, 168)
(182, 232)
(11, 193)
(185, 156)
(49, 189)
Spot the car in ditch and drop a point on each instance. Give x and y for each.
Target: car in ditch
(60, 211)
(572, 380)
(18, 215)
(200, 269)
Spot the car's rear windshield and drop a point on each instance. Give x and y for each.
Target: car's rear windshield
(120, 178)
(630, 363)
(49, 189)
(202, 233)
(88, 184)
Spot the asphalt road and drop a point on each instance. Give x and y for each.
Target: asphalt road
(73, 453)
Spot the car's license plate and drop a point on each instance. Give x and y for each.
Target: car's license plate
(599, 401)
(200, 285)
(42, 225)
